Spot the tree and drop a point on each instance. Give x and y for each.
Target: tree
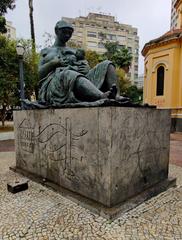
(4, 5)
(102, 36)
(111, 48)
(3, 25)
(49, 39)
(32, 30)
(31, 60)
(9, 74)
(34, 54)
(123, 81)
(135, 94)
(121, 57)
(92, 57)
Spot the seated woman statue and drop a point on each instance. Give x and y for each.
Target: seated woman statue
(65, 76)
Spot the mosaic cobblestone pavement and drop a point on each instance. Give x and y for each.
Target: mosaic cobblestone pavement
(42, 214)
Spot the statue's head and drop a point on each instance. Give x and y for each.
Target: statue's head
(80, 54)
(63, 30)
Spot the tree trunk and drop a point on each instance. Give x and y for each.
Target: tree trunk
(3, 115)
(32, 25)
(32, 30)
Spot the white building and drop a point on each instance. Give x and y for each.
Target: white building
(174, 15)
(11, 31)
(139, 81)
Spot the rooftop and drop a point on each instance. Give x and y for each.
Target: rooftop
(168, 36)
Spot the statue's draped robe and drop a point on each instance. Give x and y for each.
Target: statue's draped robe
(57, 87)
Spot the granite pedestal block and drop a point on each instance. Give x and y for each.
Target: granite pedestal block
(107, 154)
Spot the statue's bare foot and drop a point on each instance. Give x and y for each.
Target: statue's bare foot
(113, 91)
(110, 94)
(122, 99)
(106, 95)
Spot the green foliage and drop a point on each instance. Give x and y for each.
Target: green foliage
(31, 60)
(9, 73)
(2, 25)
(8, 70)
(112, 48)
(123, 81)
(135, 94)
(102, 36)
(92, 57)
(5, 4)
(121, 57)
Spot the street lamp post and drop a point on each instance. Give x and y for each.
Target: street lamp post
(20, 51)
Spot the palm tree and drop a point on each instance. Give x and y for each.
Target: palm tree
(120, 56)
(34, 56)
(123, 58)
(32, 25)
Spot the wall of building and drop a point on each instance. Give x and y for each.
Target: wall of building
(91, 31)
(167, 53)
(11, 31)
(174, 15)
(140, 81)
(170, 57)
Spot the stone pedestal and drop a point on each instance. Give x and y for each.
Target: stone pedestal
(107, 154)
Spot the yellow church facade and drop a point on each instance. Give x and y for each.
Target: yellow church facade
(163, 72)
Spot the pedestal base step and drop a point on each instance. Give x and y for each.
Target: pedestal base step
(109, 213)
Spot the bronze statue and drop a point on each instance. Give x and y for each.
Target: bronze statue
(65, 76)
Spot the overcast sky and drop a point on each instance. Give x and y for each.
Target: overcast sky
(152, 18)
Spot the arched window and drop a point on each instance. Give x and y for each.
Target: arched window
(160, 81)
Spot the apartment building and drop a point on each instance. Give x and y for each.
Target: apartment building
(139, 81)
(11, 31)
(95, 29)
(174, 15)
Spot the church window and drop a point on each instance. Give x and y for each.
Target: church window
(160, 81)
